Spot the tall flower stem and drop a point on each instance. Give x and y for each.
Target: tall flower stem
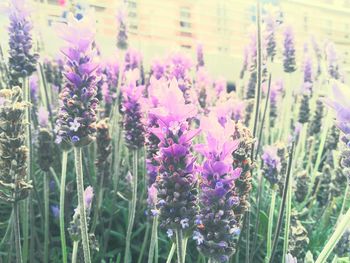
(283, 203)
(171, 253)
(26, 96)
(179, 246)
(132, 207)
(75, 251)
(62, 196)
(346, 198)
(336, 236)
(270, 225)
(154, 238)
(81, 204)
(144, 243)
(287, 222)
(17, 233)
(46, 217)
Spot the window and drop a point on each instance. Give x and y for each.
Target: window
(185, 22)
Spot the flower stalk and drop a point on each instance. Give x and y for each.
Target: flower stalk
(132, 207)
(62, 201)
(81, 204)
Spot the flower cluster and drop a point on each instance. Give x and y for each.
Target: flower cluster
(316, 122)
(242, 159)
(45, 149)
(22, 62)
(176, 183)
(271, 164)
(132, 116)
(270, 39)
(200, 56)
(342, 109)
(14, 184)
(104, 149)
(298, 237)
(178, 67)
(122, 39)
(289, 63)
(152, 141)
(275, 91)
(74, 225)
(217, 226)
(78, 103)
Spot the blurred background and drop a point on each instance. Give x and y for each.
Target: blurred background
(223, 27)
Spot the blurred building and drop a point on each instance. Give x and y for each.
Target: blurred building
(222, 26)
(324, 19)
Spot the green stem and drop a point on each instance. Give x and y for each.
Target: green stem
(282, 207)
(8, 231)
(270, 225)
(46, 217)
(81, 204)
(336, 236)
(347, 191)
(26, 93)
(184, 248)
(287, 223)
(156, 253)
(17, 233)
(154, 238)
(132, 210)
(62, 197)
(75, 251)
(171, 253)
(143, 247)
(179, 245)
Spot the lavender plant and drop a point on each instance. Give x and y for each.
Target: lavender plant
(76, 123)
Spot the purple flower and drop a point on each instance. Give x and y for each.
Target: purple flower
(289, 51)
(270, 40)
(22, 62)
(333, 61)
(217, 190)
(76, 123)
(308, 70)
(133, 60)
(271, 164)
(158, 68)
(200, 56)
(198, 237)
(341, 105)
(132, 116)
(220, 86)
(122, 40)
(176, 180)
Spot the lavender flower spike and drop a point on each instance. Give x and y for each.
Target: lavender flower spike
(289, 51)
(271, 164)
(22, 61)
(341, 105)
(78, 103)
(217, 197)
(131, 108)
(176, 182)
